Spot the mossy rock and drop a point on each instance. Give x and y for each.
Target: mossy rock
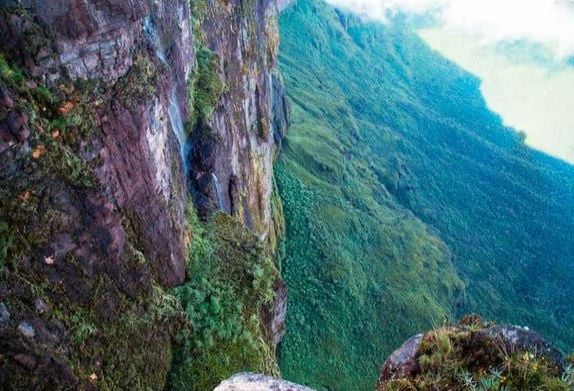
(80, 316)
(139, 84)
(205, 87)
(473, 355)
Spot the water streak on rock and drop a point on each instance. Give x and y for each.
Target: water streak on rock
(219, 192)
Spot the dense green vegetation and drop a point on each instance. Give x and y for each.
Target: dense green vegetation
(406, 201)
(231, 286)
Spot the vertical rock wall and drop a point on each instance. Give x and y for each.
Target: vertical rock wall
(132, 149)
(250, 116)
(96, 161)
(93, 191)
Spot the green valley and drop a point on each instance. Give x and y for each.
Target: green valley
(407, 202)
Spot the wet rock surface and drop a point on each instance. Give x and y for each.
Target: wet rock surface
(4, 313)
(249, 117)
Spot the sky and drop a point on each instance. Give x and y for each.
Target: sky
(519, 48)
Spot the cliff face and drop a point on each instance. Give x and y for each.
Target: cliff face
(131, 148)
(232, 150)
(98, 153)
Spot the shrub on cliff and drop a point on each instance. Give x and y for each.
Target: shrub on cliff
(231, 284)
(205, 87)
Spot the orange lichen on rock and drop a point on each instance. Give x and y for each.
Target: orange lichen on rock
(66, 107)
(38, 151)
(25, 196)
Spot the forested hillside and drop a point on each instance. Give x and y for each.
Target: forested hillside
(407, 202)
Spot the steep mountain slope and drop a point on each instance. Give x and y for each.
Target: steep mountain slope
(113, 114)
(395, 171)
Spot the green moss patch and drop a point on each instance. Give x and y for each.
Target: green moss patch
(205, 87)
(139, 84)
(10, 75)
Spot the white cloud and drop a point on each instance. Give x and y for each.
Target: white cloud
(550, 22)
(533, 96)
(382, 9)
(529, 96)
(543, 21)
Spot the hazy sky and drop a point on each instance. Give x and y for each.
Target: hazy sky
(529, 83)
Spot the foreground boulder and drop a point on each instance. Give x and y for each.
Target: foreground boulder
(257, 382)
(476, 354)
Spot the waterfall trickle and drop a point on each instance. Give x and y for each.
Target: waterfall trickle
(151, 32)
(219, 192)
(174, 111)
(177, 123)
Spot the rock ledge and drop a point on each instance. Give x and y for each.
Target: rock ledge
(258, 382)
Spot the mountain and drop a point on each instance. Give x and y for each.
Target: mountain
(407, 202)
(148, 214)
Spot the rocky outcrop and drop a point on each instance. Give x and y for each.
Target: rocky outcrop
(257, 382)
(511, 339)
(275, 316)
(403, 361)
(499, 354)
